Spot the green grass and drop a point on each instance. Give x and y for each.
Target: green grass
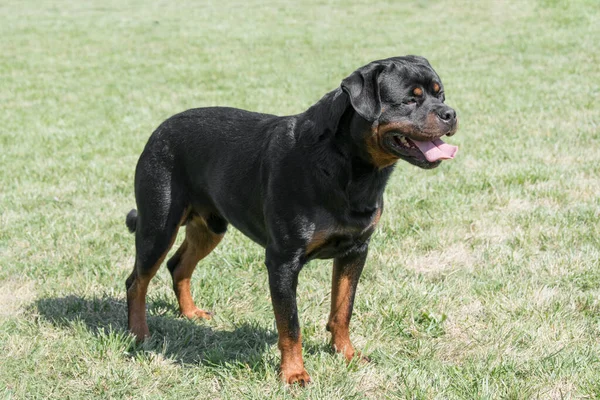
(483, 279)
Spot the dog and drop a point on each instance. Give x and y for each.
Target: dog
(304, 186)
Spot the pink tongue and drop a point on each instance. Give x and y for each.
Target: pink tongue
(436, 150)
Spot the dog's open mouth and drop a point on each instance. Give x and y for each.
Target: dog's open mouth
(432, 151)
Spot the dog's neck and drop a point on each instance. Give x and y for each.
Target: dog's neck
(367, 184)
(339, 128)
(367, 181)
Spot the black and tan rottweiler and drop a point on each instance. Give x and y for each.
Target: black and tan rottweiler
(303, 186)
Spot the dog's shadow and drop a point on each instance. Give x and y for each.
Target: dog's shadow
(184, 341)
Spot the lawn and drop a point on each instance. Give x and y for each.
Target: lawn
(483, 279)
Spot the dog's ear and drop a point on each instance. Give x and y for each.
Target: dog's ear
(326, 114)
(362, 87)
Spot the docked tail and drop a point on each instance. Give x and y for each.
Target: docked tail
(131, 220)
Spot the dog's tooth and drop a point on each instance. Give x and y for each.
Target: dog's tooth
(404, 141)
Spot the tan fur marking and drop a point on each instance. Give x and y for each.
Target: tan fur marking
(430, 131)
(418, 92)
(319, 239)
(199, 242)
(136, 297)
(339, 318)
(379, 156)
(343, 285)
(403, 127)
(436, 87)
(292, 365)
(376, 218)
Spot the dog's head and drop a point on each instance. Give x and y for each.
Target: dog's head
(402, 98)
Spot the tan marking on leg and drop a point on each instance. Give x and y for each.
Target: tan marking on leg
(292, 365)
(199, 242)
(290, 342)
(136, 297)
(339, 319)
(344, 281)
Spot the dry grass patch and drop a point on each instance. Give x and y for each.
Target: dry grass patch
(456, 256)
(15, 295)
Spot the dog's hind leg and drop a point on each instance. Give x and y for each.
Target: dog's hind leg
(201, 237)
(160, 213)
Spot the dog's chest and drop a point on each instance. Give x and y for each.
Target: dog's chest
(335, 240)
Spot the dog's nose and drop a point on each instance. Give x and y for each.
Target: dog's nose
(447, 114)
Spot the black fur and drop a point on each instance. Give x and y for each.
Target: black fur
(131, 220)
(303, 186)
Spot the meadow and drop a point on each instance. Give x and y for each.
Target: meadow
(483, 278)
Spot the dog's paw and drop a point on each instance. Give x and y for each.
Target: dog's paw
(197, 314)
(140, 332)
(360, 358)
(347, 350)
(300, 377)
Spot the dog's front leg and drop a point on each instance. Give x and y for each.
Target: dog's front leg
(346, 272)
(283, 279)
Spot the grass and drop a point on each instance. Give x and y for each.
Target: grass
(483, 279)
